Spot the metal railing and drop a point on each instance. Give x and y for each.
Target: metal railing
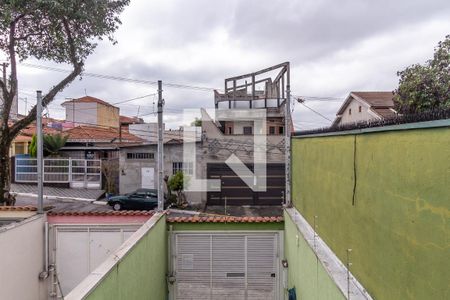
(80, 173)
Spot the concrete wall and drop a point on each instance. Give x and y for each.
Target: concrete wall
(136, 271)
(130, 169)
(396, 223)
(107, 115)
(305, 271)
(22, 259)
(84, 112)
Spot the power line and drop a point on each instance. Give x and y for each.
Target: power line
(319, 98)
(314, 111)
(124, 79)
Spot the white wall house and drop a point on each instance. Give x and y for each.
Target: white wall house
(365, 106)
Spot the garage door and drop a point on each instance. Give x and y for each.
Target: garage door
(236, 192)
(81, 249)
(226, 266)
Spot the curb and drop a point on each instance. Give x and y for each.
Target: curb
(51, 197)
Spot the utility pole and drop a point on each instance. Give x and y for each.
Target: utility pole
(287, 142)
(40, 150)
(160, 149)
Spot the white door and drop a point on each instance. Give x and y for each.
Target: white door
(148, 178)
(226, 266)
(81, 249)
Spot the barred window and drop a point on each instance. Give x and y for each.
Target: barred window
(185, 168)
(140, 155)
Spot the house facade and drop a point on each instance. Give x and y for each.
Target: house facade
(365, 106)
(225, 136)
(91, 111)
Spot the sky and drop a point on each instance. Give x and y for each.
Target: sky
(334, 47)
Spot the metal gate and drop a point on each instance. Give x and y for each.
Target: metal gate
(79, 173)
(217, 266)
(236, 192)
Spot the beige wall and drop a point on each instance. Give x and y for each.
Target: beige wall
(107, 115)
(357, 116)
(22, 259)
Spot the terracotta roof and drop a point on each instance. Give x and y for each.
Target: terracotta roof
(88, 99)
(130, 120)
(99, 134)
(102, 213)
(22, 138)
(18, 208)
(377, 99)
(224, 219)
(31, 129)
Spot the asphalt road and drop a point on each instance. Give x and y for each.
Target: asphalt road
(63, 205)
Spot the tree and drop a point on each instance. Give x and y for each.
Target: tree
(426, 87)
(52, 144)
(197, 122)
(177, 183)
(110, 171)
(62, 31)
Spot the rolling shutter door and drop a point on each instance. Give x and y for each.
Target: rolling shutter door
(226, 266)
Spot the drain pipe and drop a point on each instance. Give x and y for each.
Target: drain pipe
(40, 150)
(44, 274)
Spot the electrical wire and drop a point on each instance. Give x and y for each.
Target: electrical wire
(124, 79)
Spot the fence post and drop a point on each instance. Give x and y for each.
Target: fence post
(70, 172)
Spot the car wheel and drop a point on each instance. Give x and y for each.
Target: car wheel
(117, 206)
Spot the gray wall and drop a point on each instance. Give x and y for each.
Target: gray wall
(22, 259)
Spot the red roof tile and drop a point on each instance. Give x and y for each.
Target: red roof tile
(224, 219)
(87, 99)
(18, 208)
(99, 134)
(130, 120)
(102, 213)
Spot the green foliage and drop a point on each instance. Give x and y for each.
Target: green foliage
(197, 122)
(32, 148)
(52, 144)
(176, 182)
(62, 31)
(426, 87)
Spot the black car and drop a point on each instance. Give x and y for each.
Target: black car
(141, 199)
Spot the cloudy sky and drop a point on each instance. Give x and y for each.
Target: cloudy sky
(334, 47)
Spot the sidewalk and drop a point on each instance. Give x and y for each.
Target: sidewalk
(57, 193)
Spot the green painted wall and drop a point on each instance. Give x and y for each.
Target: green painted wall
(305, 272)
(226, 226)
(142, 272)
(398, 226)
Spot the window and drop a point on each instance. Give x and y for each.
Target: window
(230, 130)
(186, 168)
(281, 130)
(271, 130)
(349, 111)
(177, 166)
(360, 109)
(140, 155)
(248, 130)
(19, 148)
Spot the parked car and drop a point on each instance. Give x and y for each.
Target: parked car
(141, 199)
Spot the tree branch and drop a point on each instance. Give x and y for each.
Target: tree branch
(18, 126)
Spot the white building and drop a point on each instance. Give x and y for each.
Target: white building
(365, 106)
